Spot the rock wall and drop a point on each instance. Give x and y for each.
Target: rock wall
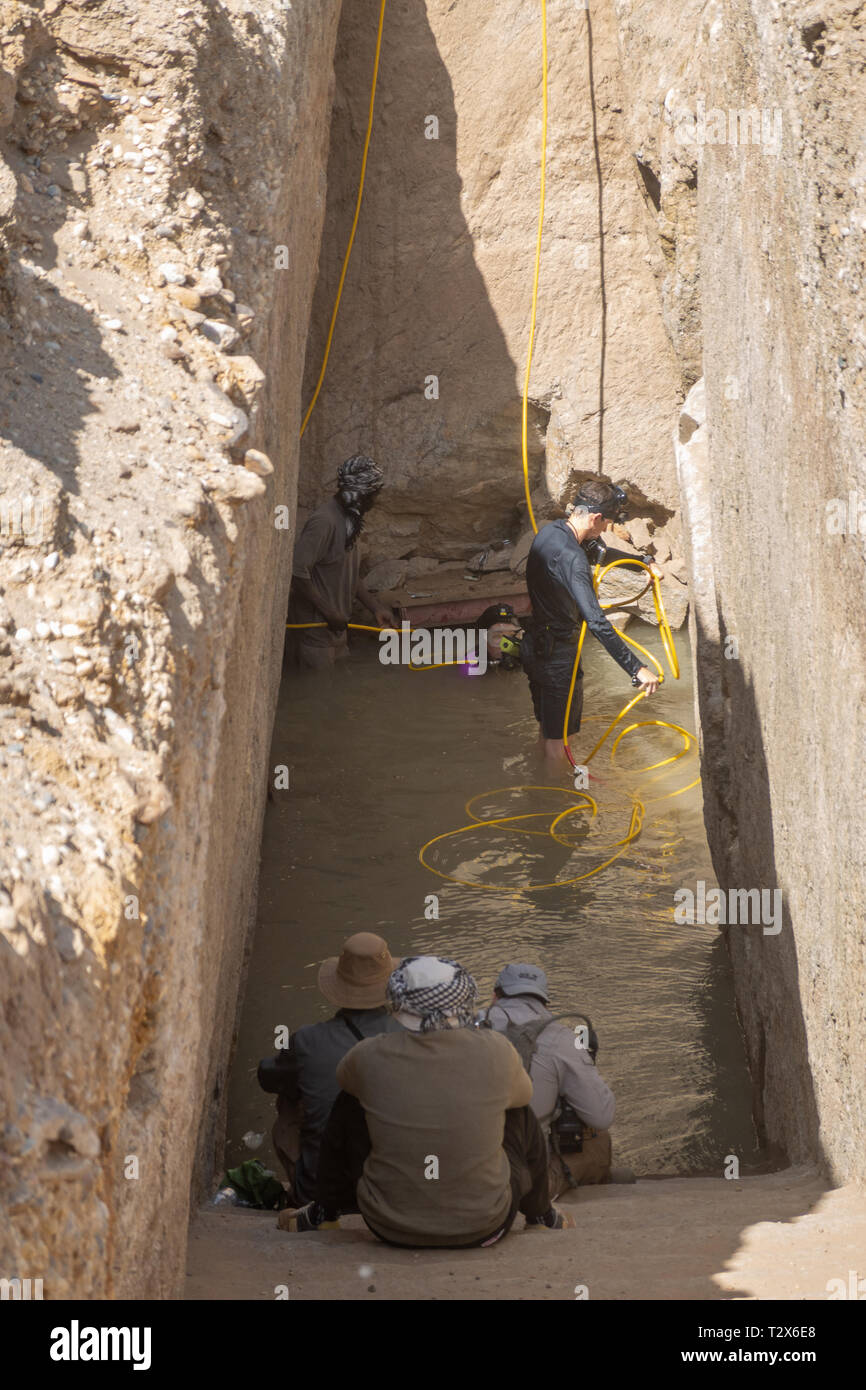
(756, 113)
(162, 197)
(440, 282)
(782, 226)
(154, 160)
(705, 219)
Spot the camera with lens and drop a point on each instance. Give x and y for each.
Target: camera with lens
(568, 1129)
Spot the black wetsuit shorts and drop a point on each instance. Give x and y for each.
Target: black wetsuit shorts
(549, 662)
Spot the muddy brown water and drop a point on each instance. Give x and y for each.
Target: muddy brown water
(380, 760)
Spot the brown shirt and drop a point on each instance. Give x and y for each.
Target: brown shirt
(322, 558)
(435, 1096)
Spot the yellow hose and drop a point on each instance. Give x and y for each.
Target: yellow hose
(667, 642)
(359, 627)
(345, 266)
(525, 418)
(477, 822)
(366, 627)
(583, 800)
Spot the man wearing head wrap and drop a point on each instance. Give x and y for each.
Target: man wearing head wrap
(432, 1137)
(325, 580)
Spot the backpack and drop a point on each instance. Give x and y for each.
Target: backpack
(524, 1036)
(567, 1129)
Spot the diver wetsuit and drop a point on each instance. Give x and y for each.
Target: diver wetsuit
(559, 579)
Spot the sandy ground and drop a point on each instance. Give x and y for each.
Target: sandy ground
(784, 1235)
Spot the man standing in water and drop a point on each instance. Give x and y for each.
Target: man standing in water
(325, 579)
(559, 579)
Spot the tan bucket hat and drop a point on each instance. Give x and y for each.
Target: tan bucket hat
(356, 979)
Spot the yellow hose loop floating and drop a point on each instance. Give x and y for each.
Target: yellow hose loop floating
(662, 724)
(537, 271)
(479, 824)
(345, 266)
(613, 723)
(570, 812)
(634, 828)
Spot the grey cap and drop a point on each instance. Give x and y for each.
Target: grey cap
(523, 979)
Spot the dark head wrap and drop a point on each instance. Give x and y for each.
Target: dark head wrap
(358, 481)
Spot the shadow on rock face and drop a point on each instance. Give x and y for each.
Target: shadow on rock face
(740, 830)
(420, 375)
(51, 348)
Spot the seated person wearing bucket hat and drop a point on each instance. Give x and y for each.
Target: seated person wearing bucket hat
(432, 1137)
(561, 1071)
(304, 1075)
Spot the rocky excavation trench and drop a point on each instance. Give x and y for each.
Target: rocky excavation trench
(176, 191)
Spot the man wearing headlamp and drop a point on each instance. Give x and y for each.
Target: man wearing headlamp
(559, 580)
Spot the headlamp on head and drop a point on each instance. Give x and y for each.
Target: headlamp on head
(615, 507)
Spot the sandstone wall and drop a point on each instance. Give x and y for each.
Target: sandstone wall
(153, 158)
(441, 278)
(754, 117)
(782, 235)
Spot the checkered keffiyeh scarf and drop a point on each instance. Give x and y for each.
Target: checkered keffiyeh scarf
(435, 989)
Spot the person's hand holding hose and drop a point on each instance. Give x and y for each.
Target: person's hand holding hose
(647, 679)
(651, 566)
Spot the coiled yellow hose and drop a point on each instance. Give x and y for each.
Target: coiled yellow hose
(583, 801)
